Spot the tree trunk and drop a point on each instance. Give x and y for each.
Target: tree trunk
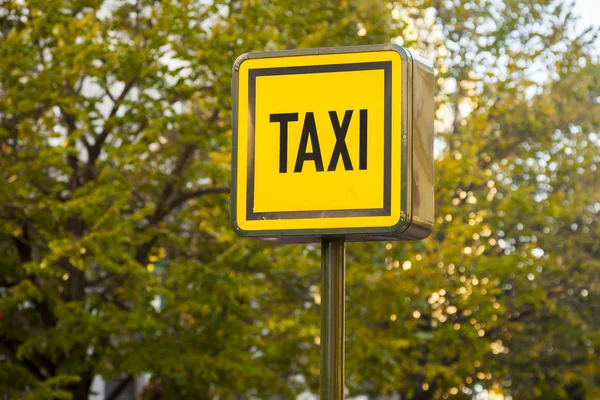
(423, 394)
(81, 389)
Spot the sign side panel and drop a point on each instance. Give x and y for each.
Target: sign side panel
(241, 134)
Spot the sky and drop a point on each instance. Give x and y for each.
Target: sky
(589, 10)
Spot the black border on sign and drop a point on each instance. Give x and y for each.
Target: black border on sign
(386, 66)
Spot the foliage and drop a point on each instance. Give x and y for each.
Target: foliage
(116, 253)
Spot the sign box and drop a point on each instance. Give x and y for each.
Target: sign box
(333, 142)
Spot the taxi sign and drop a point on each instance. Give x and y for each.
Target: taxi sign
(332, 142)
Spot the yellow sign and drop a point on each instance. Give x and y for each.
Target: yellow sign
(317, 144)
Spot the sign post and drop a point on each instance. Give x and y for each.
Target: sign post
(333, 296)
(332, 145)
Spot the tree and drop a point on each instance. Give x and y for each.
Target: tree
(492, 300)
(115, 140)
(118, 258)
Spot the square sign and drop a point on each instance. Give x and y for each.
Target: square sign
(323, 143)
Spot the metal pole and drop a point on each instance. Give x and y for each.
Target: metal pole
(333, 292)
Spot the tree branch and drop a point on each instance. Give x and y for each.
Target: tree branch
(161, 208)
(11, 345)
(94, 151)
(185, 196)
(175, 202)
(117, 303)
(166, 204)
(48, 319)
(23, 244)
(110, 96)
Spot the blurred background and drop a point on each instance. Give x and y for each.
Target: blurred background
(121, 278)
